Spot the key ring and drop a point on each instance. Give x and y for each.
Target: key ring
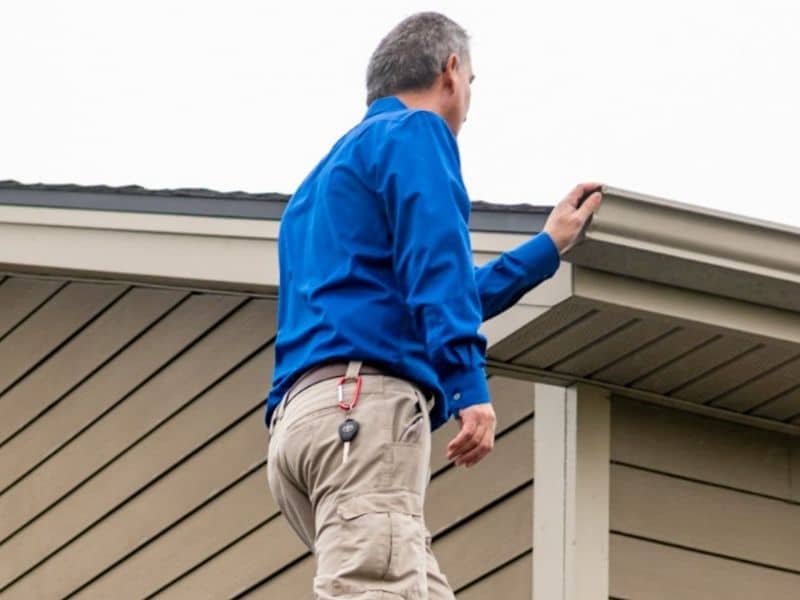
(340, 390)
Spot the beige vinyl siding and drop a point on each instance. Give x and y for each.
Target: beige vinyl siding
(132, 461)
(701, 508)
(41, 392)
(35, 338)
(480, 518)
(512, 581)
(20, 296)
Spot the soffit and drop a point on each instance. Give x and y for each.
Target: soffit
(676, 305)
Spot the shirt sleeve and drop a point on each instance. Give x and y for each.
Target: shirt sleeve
(427, 206)
(502, 281)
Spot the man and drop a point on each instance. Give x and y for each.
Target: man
(378, 321)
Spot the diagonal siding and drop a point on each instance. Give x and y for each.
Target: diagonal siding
(273, 546)
(43, 332)
(97, 343)
(511, 582)
(136, 465)
(205, 363)
(21, 296)
(132, 367)
(106, 437)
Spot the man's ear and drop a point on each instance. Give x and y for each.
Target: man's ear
(448, 72)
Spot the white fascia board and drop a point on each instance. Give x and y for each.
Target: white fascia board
(210, 252)
(694, 248)
(206, 252)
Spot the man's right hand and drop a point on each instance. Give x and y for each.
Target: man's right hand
(476, 438)
(567, 219)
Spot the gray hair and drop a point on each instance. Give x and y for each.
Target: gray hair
(413, 54)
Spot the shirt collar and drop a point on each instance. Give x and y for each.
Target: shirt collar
(385, 104)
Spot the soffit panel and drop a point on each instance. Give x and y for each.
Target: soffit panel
(728, 364)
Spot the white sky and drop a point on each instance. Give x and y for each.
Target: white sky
(693, 100)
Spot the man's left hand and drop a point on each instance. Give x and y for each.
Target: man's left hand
(569, 216)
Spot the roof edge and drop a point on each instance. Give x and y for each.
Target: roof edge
(500, 218)
(687, 246)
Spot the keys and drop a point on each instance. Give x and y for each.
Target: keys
(348, 430)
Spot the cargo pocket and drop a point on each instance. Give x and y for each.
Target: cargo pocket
(376, 547)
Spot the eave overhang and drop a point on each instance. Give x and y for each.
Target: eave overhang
(673, 304)
(194, 238)
(662, 301)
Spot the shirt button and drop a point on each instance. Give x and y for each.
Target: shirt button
(457, 396)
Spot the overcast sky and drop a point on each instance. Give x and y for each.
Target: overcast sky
(692, 100)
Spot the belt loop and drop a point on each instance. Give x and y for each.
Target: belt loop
(425, 403)
(277, 415)
(353, 368)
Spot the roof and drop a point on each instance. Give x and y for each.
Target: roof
(504, 218)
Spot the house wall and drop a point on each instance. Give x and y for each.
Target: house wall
(701, 508)
(132, 454)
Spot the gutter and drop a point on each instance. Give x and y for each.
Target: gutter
(695, 248)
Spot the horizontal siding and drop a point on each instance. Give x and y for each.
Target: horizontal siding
(706, 449)
(643, 570)
(705, 517)
(141, 471)
(702, 508)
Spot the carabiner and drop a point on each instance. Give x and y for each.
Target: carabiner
(340, 390)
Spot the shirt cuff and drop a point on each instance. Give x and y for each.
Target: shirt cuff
(465, 388)
(540, 256)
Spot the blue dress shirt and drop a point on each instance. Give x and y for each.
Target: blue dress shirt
(376, 263)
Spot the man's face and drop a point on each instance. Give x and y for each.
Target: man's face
(466, 87)
(459, 72)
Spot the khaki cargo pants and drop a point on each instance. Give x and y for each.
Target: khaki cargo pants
(364, 518)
